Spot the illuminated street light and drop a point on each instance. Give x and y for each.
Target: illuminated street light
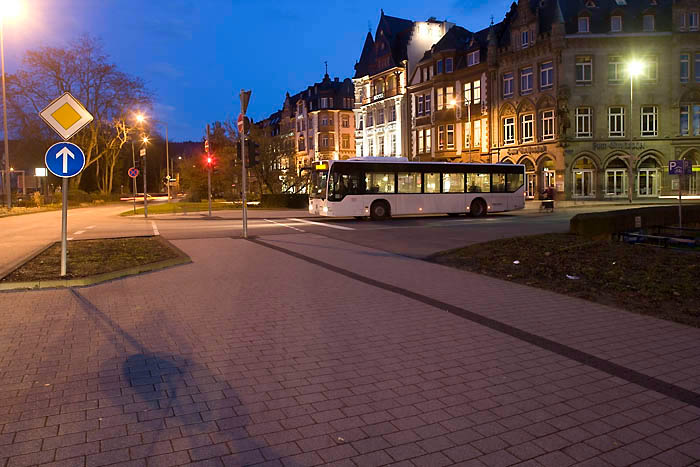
(140, 118)
(634, 68)
(9, 9)
(145, 139)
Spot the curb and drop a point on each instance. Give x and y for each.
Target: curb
(181, 258)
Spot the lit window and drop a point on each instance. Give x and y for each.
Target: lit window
(616, 24)
(450, 136)
(649, 121)
(616, 121)
(477, 134)
(441, 137)
(467, 134)
(583, 23)
(427, 104)
(467, 93)
(477, 91)
(440, 101)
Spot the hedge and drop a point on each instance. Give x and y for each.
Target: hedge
(606, 224)
(285, 200)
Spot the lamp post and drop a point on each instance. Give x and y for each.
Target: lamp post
(145, 176)
(634, 69)
(167, 154)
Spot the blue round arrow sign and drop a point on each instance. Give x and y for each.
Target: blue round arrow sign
(65, 160)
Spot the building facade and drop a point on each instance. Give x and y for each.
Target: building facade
(381, 102)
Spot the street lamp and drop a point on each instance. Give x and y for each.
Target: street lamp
(141, 118)
(10, 9)
(634, 68)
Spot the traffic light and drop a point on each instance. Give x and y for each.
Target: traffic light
(206, 145)
(252, 153)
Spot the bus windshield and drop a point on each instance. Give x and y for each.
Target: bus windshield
(318, 184)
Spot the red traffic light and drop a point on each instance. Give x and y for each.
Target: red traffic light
(209, 159)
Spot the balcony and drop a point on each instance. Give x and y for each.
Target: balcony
(385, 95)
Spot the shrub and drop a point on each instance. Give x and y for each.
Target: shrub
(606, 224)
(285, 200)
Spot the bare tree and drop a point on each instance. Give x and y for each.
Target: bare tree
(83, 69)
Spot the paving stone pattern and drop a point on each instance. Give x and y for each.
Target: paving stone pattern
(251, 356)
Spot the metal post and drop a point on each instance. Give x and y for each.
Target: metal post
(244, 172)
(8, 179)
(630, 181)
(64, 228)
(469, 122)
(133, 164)
(680, 193)
(145, 187)
(167, 160)
(208, 172)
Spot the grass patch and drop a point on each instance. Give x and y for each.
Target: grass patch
(18, 211)
(642, 279)
(92, 257)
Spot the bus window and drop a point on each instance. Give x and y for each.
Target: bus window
(341, 185)
(432, 183)
(410, 182)
(379, 182)
(498, 183)
(453, 183)
(515, 181)
(479, 183)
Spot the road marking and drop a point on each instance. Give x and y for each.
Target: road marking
(155, 229)
(78, 232)
(324, 224)
(89, 227)
(285, 225)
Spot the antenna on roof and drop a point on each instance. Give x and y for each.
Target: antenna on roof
(326, 62)
(491, 20)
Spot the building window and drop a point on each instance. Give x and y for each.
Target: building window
(392, 113)
(428, 140)
(449, 96)
(419, 138)
(508, 85)
(441, 137)
(685, 67)
(651, 68)
(450, 136)
(584, 69)
(615, 69)
(615, 182)
(425, 74)
(686, 122)
(693, 21)
(583, 22)
(684, 119)
(324, 102)
(649, 121)
(616, 122)
(476, 86)
(526, 128)
(345, 142)
(697, 67)
(393, 143)
(380, 116)
(682, 22)
(467, 134)
(439, 67)
(477, 134)
(381, 145)
(547, 125)
(370, 151)
(473, 58)
(427, 104)
(524, 40)
(467, 93)
(360, 122)
(302, 146)
(546, 75)
(583, 122)
(509, 130)
(419, 105)
(324, 120)
(346, 121)
(448, 65)
(648, 23)
(370, 119)
(526, 80)
(615, 24)
(324, 141)
(358, 149)
(440, 100)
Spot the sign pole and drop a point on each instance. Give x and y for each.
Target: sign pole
(64, 228)
(145, 189)
(680, 204)
(133, 164)
(208, 172)
(245, 97)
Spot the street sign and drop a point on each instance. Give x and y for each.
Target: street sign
(245, 98)
(66, 116)
(681, 167)
(142, 152)
(65, 160)
(40, 172)
(133, 172)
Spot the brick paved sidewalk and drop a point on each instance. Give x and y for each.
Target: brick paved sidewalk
(251, 355)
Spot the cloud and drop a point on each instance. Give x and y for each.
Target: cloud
(165, 69)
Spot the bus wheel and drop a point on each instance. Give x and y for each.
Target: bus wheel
(478, 208)
(379, 210)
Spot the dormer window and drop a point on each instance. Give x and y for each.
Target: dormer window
(473, 58)
(584, 24)
(648, 23)
(524, 39)
(438, 67)
(448, 65)
(616, 23)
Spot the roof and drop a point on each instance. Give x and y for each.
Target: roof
(631, 11)
(393, 33)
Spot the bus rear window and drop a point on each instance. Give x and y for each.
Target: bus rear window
(318, 184)
(515, 181)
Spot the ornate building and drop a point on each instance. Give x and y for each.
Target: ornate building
(381, 104)
(448, 96)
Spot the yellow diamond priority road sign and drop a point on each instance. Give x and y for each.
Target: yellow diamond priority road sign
(66, 115)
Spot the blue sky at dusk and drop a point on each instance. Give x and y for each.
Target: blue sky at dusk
(195, 56)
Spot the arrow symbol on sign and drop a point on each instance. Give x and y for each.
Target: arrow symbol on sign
(65, 153)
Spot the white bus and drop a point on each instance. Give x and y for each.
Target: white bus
(381, 187)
